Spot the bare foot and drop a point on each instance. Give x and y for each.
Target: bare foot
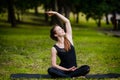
(82, 77)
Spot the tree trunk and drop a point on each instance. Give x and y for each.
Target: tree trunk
(53, 5)
(55, 19)
(67, 12)
(11, 13)
(18, 17)
(106, 16)
(60, 10)
(114, 21)
(60, 6)
(36, 9)
(74, 17)
(46, 16)
(77, 17)
(99, 22)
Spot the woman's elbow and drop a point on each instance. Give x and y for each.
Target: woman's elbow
(53, 65)
(67, 21)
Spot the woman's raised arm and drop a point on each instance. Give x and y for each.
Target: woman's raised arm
(67, 24)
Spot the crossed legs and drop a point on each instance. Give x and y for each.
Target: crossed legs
(81, 71)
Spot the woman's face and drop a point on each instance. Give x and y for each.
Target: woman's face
(59, 31)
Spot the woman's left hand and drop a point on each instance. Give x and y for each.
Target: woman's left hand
(51, 13)
(72, 68)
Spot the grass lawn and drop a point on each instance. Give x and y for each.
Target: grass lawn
(26, 49)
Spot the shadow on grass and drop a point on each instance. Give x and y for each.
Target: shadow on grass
(37, 23)
(96, 76)
(41, 23)
(35, 20)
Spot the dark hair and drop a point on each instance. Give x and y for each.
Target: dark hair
(52, 33)
(66, 41)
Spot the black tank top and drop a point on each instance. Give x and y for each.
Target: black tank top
(68, 58)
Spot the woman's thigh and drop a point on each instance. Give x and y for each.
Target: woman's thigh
(81, 71)
(54, 72)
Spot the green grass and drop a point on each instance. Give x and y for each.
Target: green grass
(98, 50)
(26, 49)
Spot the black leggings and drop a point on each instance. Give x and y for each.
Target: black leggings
(82, 71)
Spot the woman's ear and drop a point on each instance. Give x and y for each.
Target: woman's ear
(55, 35)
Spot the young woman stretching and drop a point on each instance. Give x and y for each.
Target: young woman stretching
(64, 49)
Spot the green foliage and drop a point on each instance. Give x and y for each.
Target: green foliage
(26, 4)
(3, 5)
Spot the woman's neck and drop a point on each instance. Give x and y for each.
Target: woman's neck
(60, 41)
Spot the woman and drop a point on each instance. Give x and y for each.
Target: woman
(64, 49)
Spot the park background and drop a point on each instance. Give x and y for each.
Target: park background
(24, 35)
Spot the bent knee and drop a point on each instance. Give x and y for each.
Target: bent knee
(50, 69)
(86, 67)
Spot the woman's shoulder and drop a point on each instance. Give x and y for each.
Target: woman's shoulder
(70, 39)
(53, 49)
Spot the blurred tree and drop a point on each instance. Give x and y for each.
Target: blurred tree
(3, 5)
(97, 8)
(35, 4)
(114, 9)
(64, 7)
(46, 5)
(11, 13)
(94, 9)
(76, 8)
(21, 6)
(52, 5)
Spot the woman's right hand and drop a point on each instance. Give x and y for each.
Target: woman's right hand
(51, 13)
(72, 68)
